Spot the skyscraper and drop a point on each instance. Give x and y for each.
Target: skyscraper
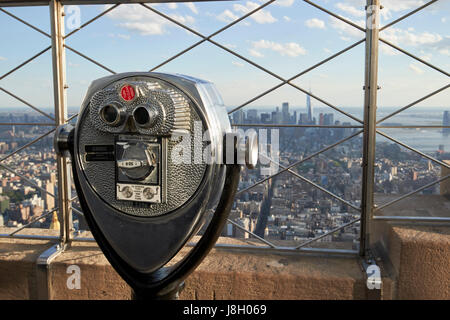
(252, 116)
(285, 112)
(309, 108)
(277, 116)
(265, 118)
(446, 122)
(238, 117)
(328, 119)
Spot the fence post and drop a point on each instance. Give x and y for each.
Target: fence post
(370, 111)
(60, 100)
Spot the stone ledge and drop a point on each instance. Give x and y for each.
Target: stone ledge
(222, 275)
(416, 257)
(415, 267)
(422, 262)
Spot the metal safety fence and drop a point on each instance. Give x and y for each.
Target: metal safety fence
(368, 127)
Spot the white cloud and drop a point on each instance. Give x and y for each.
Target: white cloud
(262, 16)
(426, 56)
(401, 37)
(284, 3)
(286, 18)
(408, 38)
(144, 28)
(255, 53)
(2, 58)
(399, 5)
(237, 64)
(119, 35)
(191, 6)
(315, 23)
(227, 16)
(416, 69)
(443, 20)
(351, 10)
(172, 5)
(144, 22)
(388, 50)
(443, 47)
(445, 52)
(346, 29)
(123, 36)
(230, 45)
(290, 49)
(390, 6)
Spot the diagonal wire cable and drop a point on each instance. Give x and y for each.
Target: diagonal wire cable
(408, 14)
(25, 23)
(328, 233)
(208, 37)
(26, 145)
(251, 233)
(312, 183)
(414, 150)
(335, 15)
(92, 20)
(26, 179)
(72, 117)
(325, 102)
(414, 57)
(78, 211)
(25, 62)
(89, 59)
(410, 193)
(414, 103)
(297, 75)
(32, 222)
(299, 162)
(212, 41)
(27, 103)
(248, 61)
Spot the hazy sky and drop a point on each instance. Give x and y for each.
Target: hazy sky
(286, 37)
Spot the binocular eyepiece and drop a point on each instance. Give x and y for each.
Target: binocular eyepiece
(145, 116)
(114, 114)
(140, 201)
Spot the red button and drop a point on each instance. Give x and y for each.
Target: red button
(127, 92)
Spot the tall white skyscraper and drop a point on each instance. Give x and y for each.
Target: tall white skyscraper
(309, 108)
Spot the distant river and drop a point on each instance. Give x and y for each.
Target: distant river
(426, 140)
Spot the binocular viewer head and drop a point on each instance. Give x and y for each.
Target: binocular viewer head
(141, 202)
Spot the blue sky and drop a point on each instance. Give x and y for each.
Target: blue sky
(287, 37)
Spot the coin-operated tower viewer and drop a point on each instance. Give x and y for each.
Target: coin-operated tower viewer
(150, 158)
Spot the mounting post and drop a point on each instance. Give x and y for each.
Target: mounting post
(370, 112)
